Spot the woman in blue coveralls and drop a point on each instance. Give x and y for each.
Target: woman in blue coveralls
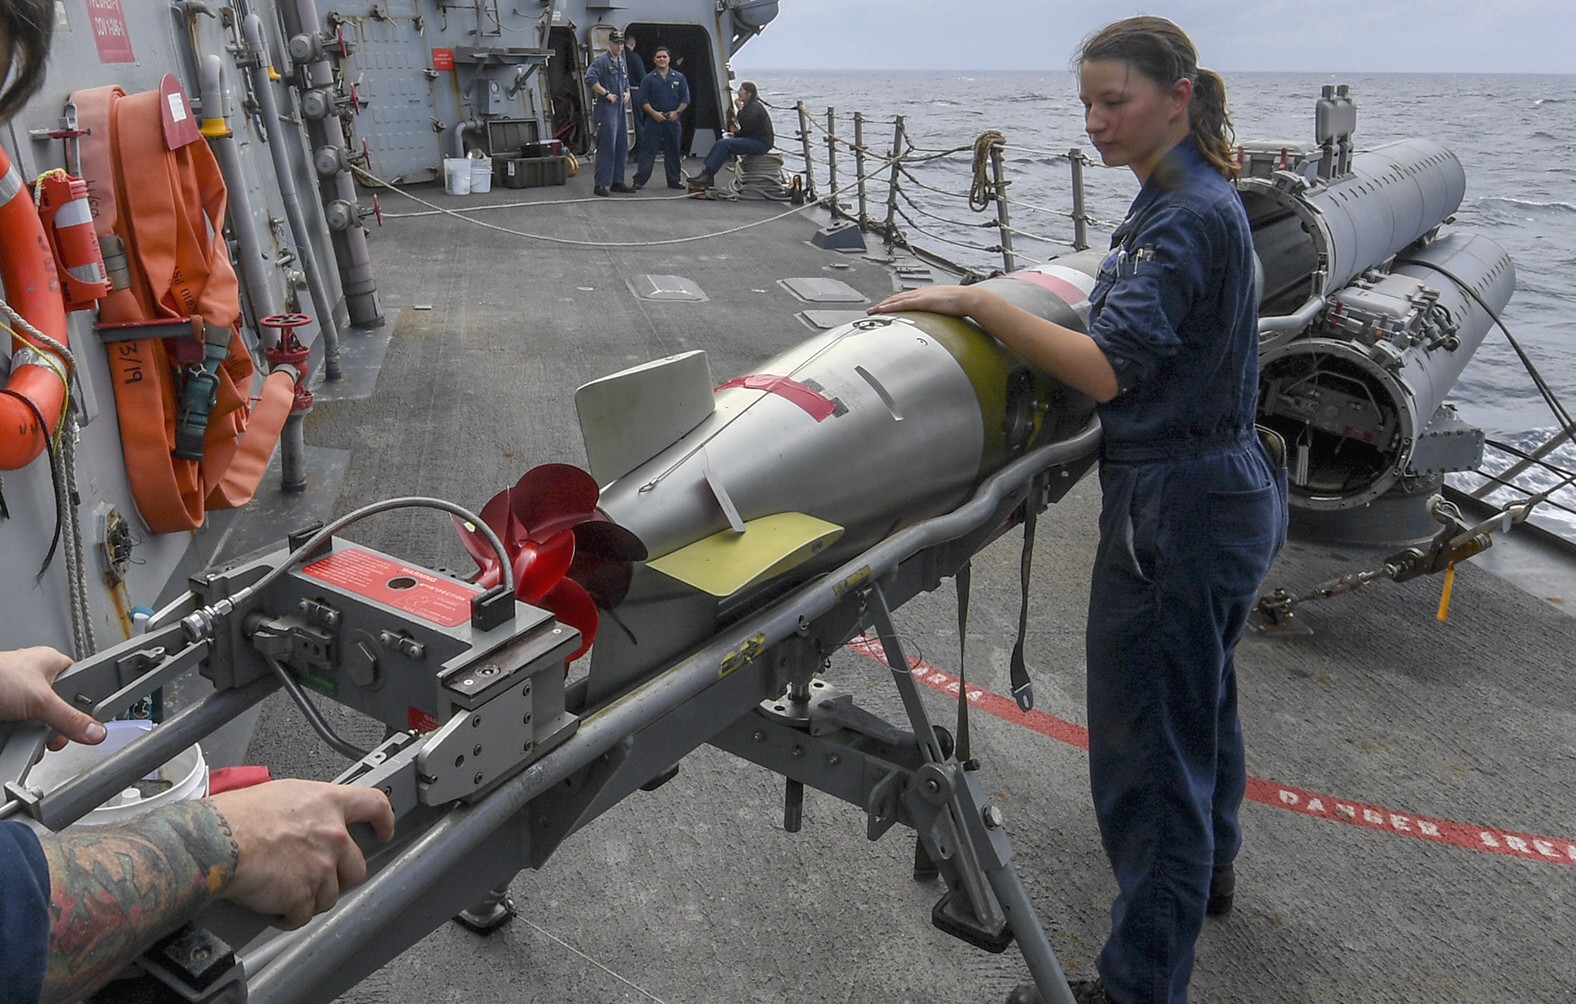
(1194, 508)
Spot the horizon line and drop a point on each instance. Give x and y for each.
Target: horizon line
(1043, 69)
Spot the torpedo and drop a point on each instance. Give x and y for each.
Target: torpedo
(737, 490)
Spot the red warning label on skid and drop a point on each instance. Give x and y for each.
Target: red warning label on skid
(415, 591)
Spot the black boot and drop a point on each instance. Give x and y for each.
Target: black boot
(1222, 887)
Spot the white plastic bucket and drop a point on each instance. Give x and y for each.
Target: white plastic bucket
(457, 175)
(182, 778)
(481, 174)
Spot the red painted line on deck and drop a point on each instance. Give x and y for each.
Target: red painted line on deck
(1529, 846)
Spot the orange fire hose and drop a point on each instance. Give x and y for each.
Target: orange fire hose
(167, 207)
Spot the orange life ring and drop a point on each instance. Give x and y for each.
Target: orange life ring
(32, 288)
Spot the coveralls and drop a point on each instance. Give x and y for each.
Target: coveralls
(1193, 512)
(663, 95)
(755, 137)
(612, 141)
(24, 913)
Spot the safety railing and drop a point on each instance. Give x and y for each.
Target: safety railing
(899, 187)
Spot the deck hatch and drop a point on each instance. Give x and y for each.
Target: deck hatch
(819, 289)
(667, 287)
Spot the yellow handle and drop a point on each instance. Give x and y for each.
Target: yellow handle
(1444, 596)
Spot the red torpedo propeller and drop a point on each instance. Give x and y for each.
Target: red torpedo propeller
(568, 558)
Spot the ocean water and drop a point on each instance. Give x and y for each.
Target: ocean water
(1515, 135)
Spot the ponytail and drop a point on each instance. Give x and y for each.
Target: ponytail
(1211, 123)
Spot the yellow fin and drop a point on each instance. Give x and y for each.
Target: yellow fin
(726, 562)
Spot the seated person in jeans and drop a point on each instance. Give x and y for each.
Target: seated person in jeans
(754, 135)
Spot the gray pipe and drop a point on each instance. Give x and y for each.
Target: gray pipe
(1294, 321)
(457, 135)
(243, 221)
(249, 252)
(283, 168)
(349, 242)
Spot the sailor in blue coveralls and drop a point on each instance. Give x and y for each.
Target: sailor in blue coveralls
(608, 80)
(1193, 508)
(660, 101)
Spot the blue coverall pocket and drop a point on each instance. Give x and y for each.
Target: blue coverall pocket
(1244, 518)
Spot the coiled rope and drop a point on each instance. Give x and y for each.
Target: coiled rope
(982, 191)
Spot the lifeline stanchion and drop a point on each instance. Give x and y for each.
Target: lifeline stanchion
(859, 168)
(1009, 261)
(897, 165)
(831, 160)
(1080, 216)
(809, 164)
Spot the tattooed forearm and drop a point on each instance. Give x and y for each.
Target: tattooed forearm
(117, 889)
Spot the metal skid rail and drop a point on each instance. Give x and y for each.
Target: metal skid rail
(462, 834)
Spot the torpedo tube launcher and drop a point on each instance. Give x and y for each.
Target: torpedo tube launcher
(1368, 314)
(743, 533)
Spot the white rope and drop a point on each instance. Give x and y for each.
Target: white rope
(597, 245)
(554, 938)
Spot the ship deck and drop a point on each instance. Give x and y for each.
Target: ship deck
(1411, 828)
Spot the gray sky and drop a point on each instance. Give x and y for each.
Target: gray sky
(1370, 36)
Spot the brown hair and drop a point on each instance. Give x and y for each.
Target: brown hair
(26, 26)
(1161, 51)
(747, 86)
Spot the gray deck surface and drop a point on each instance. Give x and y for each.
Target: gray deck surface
(693, 894)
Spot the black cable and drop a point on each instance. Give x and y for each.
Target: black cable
(315, 719)
(1549, 398)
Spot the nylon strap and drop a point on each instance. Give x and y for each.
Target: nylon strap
(168, 208)
(961, 582)
(1022, 688)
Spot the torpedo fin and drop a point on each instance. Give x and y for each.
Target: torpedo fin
(724, 500)
(727, 562)
(628, 417)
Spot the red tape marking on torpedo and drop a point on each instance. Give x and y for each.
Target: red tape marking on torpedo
(1070, 294)
(815, 404)
(1552, 850)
